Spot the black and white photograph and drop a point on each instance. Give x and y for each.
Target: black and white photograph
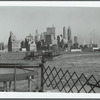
(49, 49)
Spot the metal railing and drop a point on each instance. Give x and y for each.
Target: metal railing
(29, 71)
(64, 81)
(49, 79)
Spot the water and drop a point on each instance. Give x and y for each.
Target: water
(80, 62)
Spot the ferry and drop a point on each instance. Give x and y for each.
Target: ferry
(31, 55)
(50, 55)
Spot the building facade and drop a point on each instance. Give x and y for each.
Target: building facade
(30, 43)
(51, 30)
(13, 43)
(64, 33)
(69, 38)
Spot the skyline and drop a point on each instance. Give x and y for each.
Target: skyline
(22, 21)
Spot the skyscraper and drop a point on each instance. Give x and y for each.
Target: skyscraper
(36, 36)
(69, 33)
(69, 38)
(51, 30)
(64, 33)
(75, 44)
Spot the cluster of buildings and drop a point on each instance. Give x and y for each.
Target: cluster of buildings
(48, 41)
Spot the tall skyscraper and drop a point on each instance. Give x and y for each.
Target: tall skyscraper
(69, 38)
(36, 36)
(69, 33)
(64, 33)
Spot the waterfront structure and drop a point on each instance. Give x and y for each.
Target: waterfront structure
(69, 38)
(13, 43)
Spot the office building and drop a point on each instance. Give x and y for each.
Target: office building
(48, 39)
(13, 43)
(64, 33)
(30, 43)
(69, 38)
(36, 36)
(51, 30)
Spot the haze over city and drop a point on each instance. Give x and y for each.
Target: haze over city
(22, 21)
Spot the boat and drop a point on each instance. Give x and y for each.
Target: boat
(49, 55)
(31, 55)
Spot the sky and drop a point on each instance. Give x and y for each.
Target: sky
(84, 21)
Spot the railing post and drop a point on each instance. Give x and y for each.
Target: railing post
(10, 82)
(5, 86)
(15, 79)
(41, 66)
(29, 83)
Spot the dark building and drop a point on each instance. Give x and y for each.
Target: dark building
(58, 41)
(75, 44)
(51, 30)
(2, 46)
(27, 46)
(13, 43)
(64, 33)
(36, 37)
(69, 34)
(48, 39)
(30, 43)
(38, 45)
(9, 42)
(23, 44)
(69, 38)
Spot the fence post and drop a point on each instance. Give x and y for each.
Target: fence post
(10, 82)
(41, 66)
(29, 83)
(5, 86)
(15, 79)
